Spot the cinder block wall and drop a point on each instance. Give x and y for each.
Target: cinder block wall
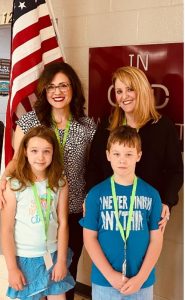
(96, 23)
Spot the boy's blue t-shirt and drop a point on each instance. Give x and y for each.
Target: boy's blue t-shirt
(99, 216)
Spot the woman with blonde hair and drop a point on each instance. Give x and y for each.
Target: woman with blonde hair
(161, 163)
(144, 109)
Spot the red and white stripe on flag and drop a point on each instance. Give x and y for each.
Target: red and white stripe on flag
(33, 45)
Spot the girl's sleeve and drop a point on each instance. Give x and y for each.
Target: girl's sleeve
(14, 184)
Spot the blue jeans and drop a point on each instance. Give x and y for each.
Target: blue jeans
(109, 293)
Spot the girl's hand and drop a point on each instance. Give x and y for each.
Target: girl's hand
(3, 183)
(59, 271)
(132, 285)
(165, 215)
(16, 279)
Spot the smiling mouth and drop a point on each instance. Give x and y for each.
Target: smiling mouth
(59, 99)
(126, 102)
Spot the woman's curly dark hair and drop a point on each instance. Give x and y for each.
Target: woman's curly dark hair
(42, 106)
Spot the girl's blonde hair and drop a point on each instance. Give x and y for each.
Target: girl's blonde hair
(54, 171)
(145, 101)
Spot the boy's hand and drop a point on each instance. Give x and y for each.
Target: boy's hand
(3, 183)
(59, 271)
(117, 280)
(132, 285)
(16, 279)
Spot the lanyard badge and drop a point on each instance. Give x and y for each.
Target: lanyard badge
(128, 225)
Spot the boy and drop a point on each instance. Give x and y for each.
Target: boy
(121, 219)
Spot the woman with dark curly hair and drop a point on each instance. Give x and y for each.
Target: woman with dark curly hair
(60, 105)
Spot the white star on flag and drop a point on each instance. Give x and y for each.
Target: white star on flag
(22, 5)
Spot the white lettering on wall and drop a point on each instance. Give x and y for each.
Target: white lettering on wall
(140, 59)
(165, 89)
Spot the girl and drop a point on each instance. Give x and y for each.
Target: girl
(34, 221)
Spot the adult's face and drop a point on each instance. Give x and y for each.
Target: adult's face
(59, 91)
(125, 96)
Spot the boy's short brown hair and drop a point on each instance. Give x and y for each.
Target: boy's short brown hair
(125, 135)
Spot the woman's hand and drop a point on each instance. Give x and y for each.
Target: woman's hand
(165, 215)
(3, 183)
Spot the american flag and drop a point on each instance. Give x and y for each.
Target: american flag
(33, 45)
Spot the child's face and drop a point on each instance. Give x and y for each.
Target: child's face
(39, 153)
(123, 159)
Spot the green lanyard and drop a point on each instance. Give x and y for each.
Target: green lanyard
(123, 235)
(44, 218)
(124, 121)
(66, 132)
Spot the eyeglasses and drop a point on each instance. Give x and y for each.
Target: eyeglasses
(63, 87)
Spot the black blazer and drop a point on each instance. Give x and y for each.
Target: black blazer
(160, 165)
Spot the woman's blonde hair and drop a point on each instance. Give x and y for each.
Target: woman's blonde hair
(54, 171)
(145, 100)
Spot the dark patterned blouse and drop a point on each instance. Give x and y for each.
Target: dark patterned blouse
(75, 154)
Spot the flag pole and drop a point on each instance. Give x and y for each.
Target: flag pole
(55, 28)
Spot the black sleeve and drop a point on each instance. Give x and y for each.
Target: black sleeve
(173, 176)
(98, 167)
